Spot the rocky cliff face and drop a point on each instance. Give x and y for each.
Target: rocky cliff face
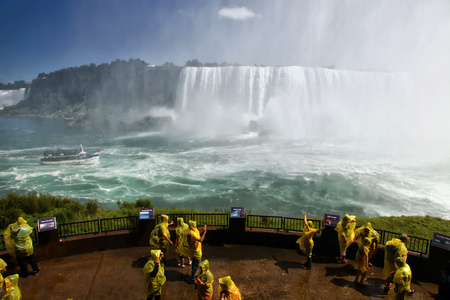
(120, 94)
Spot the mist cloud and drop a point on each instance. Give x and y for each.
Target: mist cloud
(236, 13)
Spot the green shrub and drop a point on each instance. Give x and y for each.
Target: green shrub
(92, 207)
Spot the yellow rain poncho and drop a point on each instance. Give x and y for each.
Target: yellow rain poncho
(367, 231)
(230, 290)
(362, 256)
(182, 231)
(346, 229)
(12, 288)
(17, 238)
(2, 266)
(154, 274)
(306, 241)
(157, 238)
(394, 248)
(195, 245)
(402, 280)
(205, 290)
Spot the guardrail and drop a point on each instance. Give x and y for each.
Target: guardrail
(416, 244)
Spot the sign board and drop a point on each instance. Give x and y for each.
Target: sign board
(146, 213)
(237, 212)
(331, 220)
(47, 224)
(441, 241)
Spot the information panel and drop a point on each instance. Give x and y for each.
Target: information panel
(441, 241)
(237, 212)
(47, 224)
(331, 220)
(146, 213)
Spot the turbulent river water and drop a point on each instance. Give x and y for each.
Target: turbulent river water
(266, 175)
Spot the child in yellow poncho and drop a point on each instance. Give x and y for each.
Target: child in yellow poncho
(401, 280)
(394, 248)
(346, 234)
(12, 288)
(362, 262)
(228, 290)
(306, 241)
(204, 280)
(367, 231)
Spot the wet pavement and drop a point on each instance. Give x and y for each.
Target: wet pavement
(259, 273)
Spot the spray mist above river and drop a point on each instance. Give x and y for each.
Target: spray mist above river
(322, 140)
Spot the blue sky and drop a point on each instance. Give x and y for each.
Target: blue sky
(48, 35)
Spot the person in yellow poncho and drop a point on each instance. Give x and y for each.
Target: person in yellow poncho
(367, 231)
(346, 234)
(362, 262)
(12, 288)
(3, 266)
(182, 243)
(154, 275)
(204, 280)
(401, 280)
(228, 290)
(393, 249)
(19, 244)
(160, 236)
(195, 247)
(306, 241)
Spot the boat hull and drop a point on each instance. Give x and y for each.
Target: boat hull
(86, 160)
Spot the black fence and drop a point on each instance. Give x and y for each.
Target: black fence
(415, 244)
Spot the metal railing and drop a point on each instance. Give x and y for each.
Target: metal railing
(265, 222)
(220, 219)
(120, 223)
(414, 243)
(294, 224)
(79, 228)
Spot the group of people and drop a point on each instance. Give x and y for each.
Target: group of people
(189, 247)
(19, 244)
(397, 271)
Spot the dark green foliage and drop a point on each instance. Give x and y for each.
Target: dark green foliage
(92, 207)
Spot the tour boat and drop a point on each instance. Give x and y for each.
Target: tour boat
(76, 156)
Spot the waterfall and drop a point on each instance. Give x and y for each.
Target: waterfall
(12, 97)
(293, 101)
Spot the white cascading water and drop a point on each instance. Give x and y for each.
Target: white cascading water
(293, 101)
(12, 97)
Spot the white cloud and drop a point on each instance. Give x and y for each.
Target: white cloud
(236, 13)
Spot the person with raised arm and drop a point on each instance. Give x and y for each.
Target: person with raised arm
(306, 241)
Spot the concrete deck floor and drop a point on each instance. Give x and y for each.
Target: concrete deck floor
(259, 272)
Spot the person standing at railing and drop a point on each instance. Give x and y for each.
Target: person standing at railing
(19, 244)
(204, 280)
(346, 234)
(182, 243)
(160, 236)
(154, 275)
(195, 246)
(367, 231)
(394, 248)
(306, 241)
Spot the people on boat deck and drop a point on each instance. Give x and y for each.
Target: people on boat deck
(346, 234)
(394, 248)
(228, 290)
(204, 280)
(154, 275)
(182, 244)
(20, 245)
(306, 241)
(195, 246)
(160, 236)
